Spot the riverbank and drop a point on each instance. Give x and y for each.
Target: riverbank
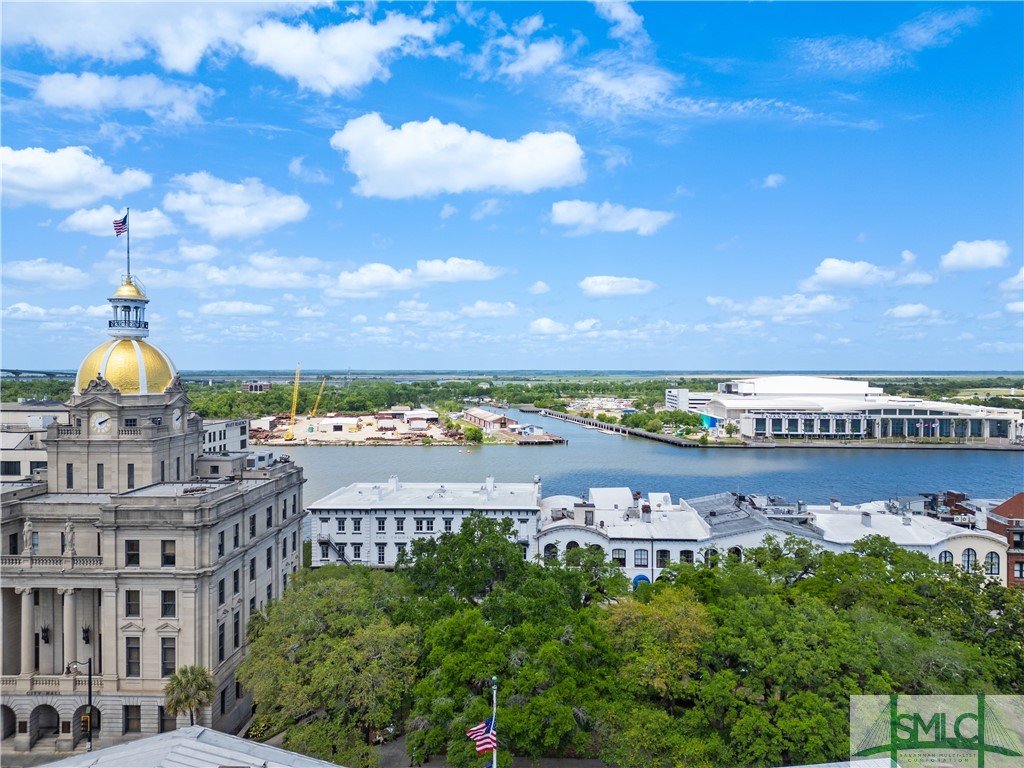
(618, 429)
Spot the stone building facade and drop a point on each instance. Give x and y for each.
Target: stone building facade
(138, 553)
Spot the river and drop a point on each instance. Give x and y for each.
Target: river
(592, 459)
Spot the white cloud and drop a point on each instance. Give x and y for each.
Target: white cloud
(235, 308)
(533, 58)
(861, 55)
(912, 311)
(310, 175)
(191, 252)
(100, 222)
(47, 273)
(607, 217)
(1015, 306)
(539, 287)
(605, 285)
(615, 156)
(488, 207)
(358, 319)
(793, 305)
(427, 158)
(1015, 283)
(773, 181)
(180, 33)
(22, 311)
(448, 210)
(587, 325)
(916, 278)
(846, 273)
(482, 308)
(65, 178)
(908, 257)
(626, 23)
(225, 209)
(159, 99)
(976, 254)
(614, 84)
(455, 270)
(376, 278)
(342, 58)
(547, 326)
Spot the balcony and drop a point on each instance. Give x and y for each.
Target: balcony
(50, 562)
(140, 324)
(56, 684)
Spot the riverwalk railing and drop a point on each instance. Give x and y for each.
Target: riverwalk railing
(620, 429)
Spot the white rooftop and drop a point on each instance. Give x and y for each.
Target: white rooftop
(392, 494)
(846, 527)
(802, 385)
(192, 747)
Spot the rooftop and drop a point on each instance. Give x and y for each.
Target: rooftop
(192, 747)
(393, 494)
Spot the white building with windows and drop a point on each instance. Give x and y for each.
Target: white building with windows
(372, 523)
(802, 407)
(134, 553)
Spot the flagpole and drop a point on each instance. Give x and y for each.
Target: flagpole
(128, 231)
(494, 719)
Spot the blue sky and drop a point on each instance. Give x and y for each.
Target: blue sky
(661, 185)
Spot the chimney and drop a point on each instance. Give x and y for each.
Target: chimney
(645, 513)
(489, 483)
(393, 483)
(907, 520)
(865, 519)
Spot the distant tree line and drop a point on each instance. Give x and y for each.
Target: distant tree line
(744, 663)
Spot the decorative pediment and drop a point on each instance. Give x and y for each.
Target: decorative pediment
(176, 385)
(100, 386)
(131, 626)
(167, 627)
(98, 398)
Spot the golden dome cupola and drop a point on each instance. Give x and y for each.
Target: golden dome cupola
(129, 364)
(129, 303)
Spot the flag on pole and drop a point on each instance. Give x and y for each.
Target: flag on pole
(121, 225)
(485, 735)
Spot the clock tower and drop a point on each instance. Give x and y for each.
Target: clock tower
(130, 421)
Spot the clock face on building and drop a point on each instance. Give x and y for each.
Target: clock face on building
(101, 422)
(176, 419)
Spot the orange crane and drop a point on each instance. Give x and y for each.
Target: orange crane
(290, 434)
(318, 396)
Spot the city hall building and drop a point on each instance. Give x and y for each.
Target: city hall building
(134, 552)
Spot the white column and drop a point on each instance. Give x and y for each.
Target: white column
(70, 625)
(28, 615)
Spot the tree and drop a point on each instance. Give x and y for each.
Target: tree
(189, 689)
(474, 434)
(731, 429)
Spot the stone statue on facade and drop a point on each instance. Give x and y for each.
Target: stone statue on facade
(69, 538)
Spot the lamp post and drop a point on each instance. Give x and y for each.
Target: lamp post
(88, 705)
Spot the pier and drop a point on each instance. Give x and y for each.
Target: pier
(618, 429)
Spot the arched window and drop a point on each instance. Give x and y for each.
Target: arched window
(992, 564)
(572, 545)
(550, 551)
(711, 558)
(969, 560)
(686, 556)
(640, 559)
(662, 558)
(736, 552)
(619, 557)
(945, 556)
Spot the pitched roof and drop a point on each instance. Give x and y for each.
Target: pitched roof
(192, 747)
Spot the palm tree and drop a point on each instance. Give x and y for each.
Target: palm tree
(189, 689)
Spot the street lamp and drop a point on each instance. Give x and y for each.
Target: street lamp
(87, 717)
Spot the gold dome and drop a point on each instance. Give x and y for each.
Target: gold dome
(132, 366)
(129, 290)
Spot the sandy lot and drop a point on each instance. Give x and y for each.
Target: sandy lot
(307, 432)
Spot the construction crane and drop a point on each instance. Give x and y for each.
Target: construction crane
(290, 434)
(318, 396)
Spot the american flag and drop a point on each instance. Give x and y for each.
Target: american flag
(485, 735)
(121, 225)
